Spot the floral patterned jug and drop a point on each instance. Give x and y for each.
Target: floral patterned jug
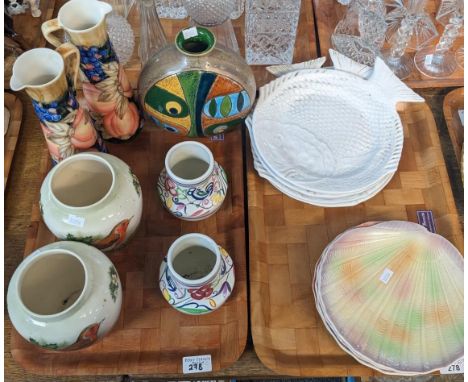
(107, 91)
(67, 127)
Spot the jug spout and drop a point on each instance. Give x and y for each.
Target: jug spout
(105, 7)
(15, 84)
(39, 69)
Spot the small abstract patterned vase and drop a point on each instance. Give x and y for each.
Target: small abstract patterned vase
(64, 296)
(93, 198)
(108, 92)
(192, 186)
(196, 87)
(49, 78)
(197, 275)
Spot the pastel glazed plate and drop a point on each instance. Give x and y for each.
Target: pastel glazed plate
(391, 294)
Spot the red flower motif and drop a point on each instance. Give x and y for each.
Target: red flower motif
(202, 292)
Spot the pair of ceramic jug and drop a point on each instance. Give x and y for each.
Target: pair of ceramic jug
(50, 79)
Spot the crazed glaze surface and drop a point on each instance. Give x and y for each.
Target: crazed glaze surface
(89, 319)
(108, 225)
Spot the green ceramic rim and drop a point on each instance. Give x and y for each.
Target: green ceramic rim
(204, 38)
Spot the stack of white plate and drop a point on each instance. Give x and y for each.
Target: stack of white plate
(329, 137)
(391, 295)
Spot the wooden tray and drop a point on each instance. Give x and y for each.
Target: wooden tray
(453, 102)
(328, 13)
(286, 238)
(305, 48)
(151, 337)
(14, 105)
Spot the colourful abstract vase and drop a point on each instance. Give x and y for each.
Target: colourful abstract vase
(108, 92)
(197, 275)
(67, 127)
(196, 87)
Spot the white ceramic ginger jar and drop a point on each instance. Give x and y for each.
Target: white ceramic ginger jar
(93, 198)
(64, 296)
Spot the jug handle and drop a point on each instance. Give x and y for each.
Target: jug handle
(48, 28)
(71, 57)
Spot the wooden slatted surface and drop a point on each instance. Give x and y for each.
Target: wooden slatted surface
(151, 337)
(286, 238)
(453, 102)
(328, 13)
(29, 27)
(14, 105)
(305, 48)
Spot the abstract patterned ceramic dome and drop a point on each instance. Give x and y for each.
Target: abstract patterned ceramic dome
(195, 87)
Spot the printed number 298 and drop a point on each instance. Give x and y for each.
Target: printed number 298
(195, 366)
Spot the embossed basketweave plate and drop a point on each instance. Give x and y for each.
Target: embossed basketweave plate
(151, 337)
(287, 237)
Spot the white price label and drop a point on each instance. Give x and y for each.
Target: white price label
(196, 364)
(77, 221)
(386, 275)
(428, 60)
(456, 367)
(190, 32)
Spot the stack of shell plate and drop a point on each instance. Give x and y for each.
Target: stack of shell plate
(391, 295)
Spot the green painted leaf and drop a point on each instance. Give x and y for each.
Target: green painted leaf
(226, 106)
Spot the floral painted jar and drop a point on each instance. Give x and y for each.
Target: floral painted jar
(197, 275)
(107, 90)
(67, 127)
(64, 296)
(93, 198)
(192, 186)
(196, 87)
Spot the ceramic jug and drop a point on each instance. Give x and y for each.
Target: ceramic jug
(49, 78)
(108, 91)
(192, 186)
(64, 296)
(94, 198)
(196, 87)
(197, 275)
